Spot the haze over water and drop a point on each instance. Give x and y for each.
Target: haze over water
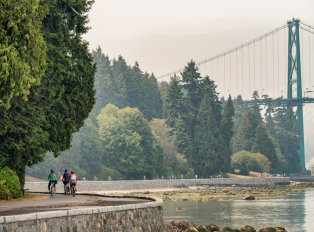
(295, 212)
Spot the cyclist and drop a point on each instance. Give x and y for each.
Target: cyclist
(52, 180)
(73, 179)
(66, 179)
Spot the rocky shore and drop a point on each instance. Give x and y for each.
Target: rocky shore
(184, 226)
(207, 193)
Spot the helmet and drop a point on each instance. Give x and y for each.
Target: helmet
(52, 171)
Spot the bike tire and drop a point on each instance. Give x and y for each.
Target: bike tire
(73, 191)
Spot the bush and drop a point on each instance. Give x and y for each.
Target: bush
(106, 172)
(10, 187)
(245, 162)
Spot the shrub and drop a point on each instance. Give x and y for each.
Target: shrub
(10, 187)
(245, 162)
(106, 172)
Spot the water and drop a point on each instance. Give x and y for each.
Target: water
(295, 212)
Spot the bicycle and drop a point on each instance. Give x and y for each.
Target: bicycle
(67, 190)
(52, 185)
(73, 190)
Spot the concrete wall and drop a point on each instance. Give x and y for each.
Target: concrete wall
(136, 217)
(89, 186)
(302, 178)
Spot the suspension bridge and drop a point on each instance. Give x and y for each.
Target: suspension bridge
(272, 64)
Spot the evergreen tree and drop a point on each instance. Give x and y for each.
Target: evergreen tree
(174, 103)
(192, 83)
(59, 105)
(256, 107)
(244, 139)
(134, 84)
(156, 106)
(183, 141)
(104, 82)
(264, 145)
(226, 131)
(206, 153)
(22, 48)
(121, 74)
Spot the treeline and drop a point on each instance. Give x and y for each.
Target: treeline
(141, 127)
(116, 140)
(274, 134)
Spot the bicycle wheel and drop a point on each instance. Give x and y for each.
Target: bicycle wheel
(73, 191)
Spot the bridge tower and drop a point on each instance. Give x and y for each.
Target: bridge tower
(294, 77)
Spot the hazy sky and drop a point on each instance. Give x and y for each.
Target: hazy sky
(111, 18)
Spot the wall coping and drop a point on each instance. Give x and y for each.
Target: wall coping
(157, 202)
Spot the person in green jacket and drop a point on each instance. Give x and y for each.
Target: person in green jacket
(52, 180)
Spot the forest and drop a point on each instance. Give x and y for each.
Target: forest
(139, 126)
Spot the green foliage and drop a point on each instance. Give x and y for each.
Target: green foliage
(22, 48)
(128, 142)
(263, 161)
(264, 145)
(208, 141)
(174, 102)
(10, 187)
(245, 162)
(183, 141)
(244, 139)
(226, 131)
(106, 172)
(58, 106)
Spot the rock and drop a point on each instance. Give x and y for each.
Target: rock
(165, 193)
(191, 229)
(184, 199)
(146, 192)
(182, 225)
(212, 227)
(247, 229)
(267, 229)
(221, 200)
(178, 208)
(249, 198)
(280, 229)
(265, 199)
(201, 228)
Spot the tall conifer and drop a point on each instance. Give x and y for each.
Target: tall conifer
(244, 138)
(174, 105)
(264, 145)
(226, 131)
(207, 141)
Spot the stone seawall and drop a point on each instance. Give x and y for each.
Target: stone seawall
(136, 217)
(302, 178)
(90, 186)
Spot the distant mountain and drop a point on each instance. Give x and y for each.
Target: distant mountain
(162, 53)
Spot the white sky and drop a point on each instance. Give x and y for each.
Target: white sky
(111, 18)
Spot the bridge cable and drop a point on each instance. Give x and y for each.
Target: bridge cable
(242, 72)
(286, 80)
(232, 50)
(230, 74)
(273, 64)
(236, 71)
(249, 71)
(278, 63)
(309, 60)
(224, 75)
(254, 66)
(261, 67)
(212, 70)
(205, 69)
(266, 64)
(218, 74)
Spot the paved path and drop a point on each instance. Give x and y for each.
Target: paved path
(61, 202)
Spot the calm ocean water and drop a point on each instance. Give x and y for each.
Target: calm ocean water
(295, 212)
